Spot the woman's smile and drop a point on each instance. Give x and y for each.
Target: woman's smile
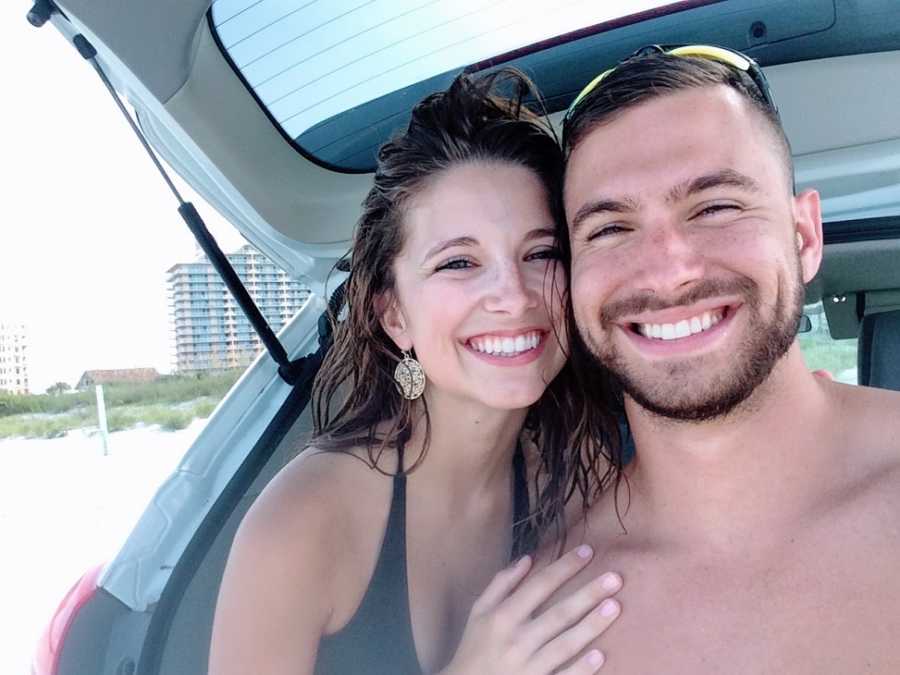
(510, 347)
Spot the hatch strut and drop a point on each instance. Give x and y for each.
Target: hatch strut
(290, 371)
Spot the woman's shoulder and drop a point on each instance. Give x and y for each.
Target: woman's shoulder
(301, 557)
(325, 494)
(315, 530)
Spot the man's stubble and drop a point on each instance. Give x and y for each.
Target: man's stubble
(673, 392)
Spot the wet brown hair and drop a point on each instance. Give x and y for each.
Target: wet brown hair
(355, 400)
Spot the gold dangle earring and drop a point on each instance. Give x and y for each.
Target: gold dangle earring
(410, 377)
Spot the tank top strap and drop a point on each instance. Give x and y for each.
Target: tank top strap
(379, 638)
(394, 544)
(522, 530)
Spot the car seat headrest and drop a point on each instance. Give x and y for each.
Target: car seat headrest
(879, 350)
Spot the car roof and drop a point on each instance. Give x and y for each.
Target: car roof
(833, 66)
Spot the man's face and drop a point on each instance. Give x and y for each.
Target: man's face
(687, 268)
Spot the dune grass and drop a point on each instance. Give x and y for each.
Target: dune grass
(167, 389)
(170, 402)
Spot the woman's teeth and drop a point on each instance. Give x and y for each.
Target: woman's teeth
(506, 345)
(682, 329)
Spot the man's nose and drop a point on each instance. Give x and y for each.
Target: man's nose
(669, 259)
(512, 291)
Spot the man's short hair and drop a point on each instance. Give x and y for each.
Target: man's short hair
(649, 76)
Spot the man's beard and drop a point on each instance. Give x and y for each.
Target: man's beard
(674, 391)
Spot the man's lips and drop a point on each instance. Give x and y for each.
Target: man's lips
(684, 337)
(676, 329)
(677, 321)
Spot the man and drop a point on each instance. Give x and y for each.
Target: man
(758, 525)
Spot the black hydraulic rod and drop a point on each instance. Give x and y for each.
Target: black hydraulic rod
(233, 281)
(287, 369)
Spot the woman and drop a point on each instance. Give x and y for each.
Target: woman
(378, 549)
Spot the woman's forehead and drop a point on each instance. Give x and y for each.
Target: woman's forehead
(478, 200)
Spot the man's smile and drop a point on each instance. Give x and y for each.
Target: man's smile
(681, 331)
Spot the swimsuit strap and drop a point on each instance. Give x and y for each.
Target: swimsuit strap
(522, 530)
(378, 640)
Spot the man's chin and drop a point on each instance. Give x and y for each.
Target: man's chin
(693, 411)
(686, 399)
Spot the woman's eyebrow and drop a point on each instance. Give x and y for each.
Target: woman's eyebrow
(449, 243)
(540, 233)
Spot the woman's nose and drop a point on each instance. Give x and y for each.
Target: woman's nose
(512, 291)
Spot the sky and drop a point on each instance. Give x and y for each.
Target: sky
(89, 226)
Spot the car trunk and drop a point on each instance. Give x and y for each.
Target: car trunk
(829, 62)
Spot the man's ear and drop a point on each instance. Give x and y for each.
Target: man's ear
(394, 321)
(808, 232)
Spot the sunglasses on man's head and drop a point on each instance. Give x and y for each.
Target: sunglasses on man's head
(724, 55)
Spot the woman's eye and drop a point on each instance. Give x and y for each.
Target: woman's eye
(455, 264)
(544, 254)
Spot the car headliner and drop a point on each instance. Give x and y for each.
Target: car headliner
(203, 120)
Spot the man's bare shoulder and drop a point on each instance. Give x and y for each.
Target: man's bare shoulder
(869, 418)
(869, 397)
(866, 432)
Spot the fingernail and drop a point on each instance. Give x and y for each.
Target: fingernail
(595, 658)
(523, 560)
(609, 608)
(584, 551)
(612, 581)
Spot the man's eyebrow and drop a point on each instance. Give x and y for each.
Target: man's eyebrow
(449, 243)
(602, 206)
(728, 177)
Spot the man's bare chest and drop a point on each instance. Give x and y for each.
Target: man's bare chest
(812, 606)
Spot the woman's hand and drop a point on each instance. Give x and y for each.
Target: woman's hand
(504, 635)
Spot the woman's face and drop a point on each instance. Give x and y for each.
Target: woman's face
(474, 286)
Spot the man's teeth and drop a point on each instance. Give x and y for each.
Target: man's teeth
(506, 345)
(682, 329)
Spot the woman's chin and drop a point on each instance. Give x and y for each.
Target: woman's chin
(517, 399)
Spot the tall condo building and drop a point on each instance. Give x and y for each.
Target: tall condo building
(13, 358)
(209, 330)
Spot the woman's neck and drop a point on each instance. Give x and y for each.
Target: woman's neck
(469, 446)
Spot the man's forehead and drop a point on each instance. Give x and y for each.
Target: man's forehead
(663, 143)
(678, 109)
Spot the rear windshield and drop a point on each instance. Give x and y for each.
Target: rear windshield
(312, 63)
(338, 77)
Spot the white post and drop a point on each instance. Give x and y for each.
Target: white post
(101, 418)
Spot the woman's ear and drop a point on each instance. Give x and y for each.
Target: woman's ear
(394, 321)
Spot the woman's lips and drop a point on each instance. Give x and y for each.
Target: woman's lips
(508, 348)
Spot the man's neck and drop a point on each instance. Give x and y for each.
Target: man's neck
(730, 481)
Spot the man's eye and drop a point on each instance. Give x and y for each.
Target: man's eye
(605, 231)
(715, 209)
(455, 264)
